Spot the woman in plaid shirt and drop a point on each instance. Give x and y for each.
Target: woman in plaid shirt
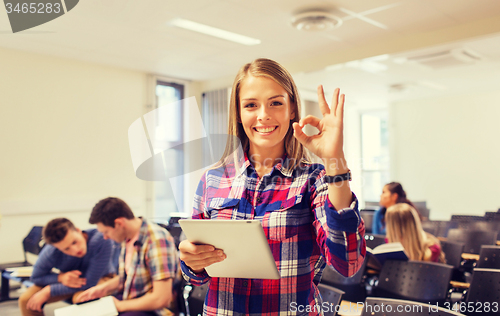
(307, 210)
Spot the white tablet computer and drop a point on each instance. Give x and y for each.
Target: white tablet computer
(244, 243)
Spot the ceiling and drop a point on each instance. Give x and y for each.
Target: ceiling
(137, 35)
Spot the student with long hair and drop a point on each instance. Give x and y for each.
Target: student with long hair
(392, 193)
(308, 212)
(404, 226)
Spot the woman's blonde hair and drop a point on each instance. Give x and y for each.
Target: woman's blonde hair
(270, 69)
(404, 226)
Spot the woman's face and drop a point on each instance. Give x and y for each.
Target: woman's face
(265, 114)
(387, 198)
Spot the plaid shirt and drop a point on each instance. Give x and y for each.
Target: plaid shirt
(155, 259)
(303, 230)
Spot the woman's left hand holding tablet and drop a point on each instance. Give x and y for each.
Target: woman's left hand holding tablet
(198, 257)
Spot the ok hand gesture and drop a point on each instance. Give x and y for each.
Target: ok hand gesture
(328, 143)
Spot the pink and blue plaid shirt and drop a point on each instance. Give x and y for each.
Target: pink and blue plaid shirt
(303, 229)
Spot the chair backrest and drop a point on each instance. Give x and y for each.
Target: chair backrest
(422, 208)
(197, 299)
(373, 241)
(331, 298)
(473, 239)
(466, 218)
(33, 242)
(484, 292)
(492, 216)
(414, 280)
(489, 257)
(432, 227)
(453, 252)
(353, 287)
(444, 227)
(372, 205)
(376, 306)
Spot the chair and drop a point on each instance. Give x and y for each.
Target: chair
(473, 239)
(353, 287)
(31, 244)
(432, 227)
(414, 280)
(492, 216)
(375, 306)
(489, 257)
(331, 296)
(196, 299)
(373, 241)
(372, 205)
(453, 254)
(484, 291)
(444, 227)
(367, 216)
(422, 208)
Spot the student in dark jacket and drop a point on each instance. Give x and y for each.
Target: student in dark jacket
(82, 257)
(392, 193)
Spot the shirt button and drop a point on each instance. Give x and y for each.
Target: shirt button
(259, 200)
(245, 283)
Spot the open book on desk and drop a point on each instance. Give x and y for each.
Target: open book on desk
(104, 306)
(378, 255)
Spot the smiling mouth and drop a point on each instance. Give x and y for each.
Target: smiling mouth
(265, 130)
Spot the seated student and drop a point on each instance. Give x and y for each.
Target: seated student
(392, 193)
(403, 225)
(82, 257)
(148, 261)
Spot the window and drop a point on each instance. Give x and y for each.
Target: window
(168, 194)
(374, 154)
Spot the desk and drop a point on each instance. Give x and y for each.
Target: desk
(470, 256)
(6, 277)
(460, 285)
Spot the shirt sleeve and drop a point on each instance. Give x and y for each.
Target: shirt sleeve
(435, 252)
(100, 251)
(340, 233)
(42, 274)
(199, 212)
(161, 256)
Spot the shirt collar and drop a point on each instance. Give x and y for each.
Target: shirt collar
(282, 166)
(143, 233)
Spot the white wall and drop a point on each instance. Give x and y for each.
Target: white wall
(64, 142)
(447, 151)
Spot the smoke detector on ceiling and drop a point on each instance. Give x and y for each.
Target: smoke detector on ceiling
(315, 21)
